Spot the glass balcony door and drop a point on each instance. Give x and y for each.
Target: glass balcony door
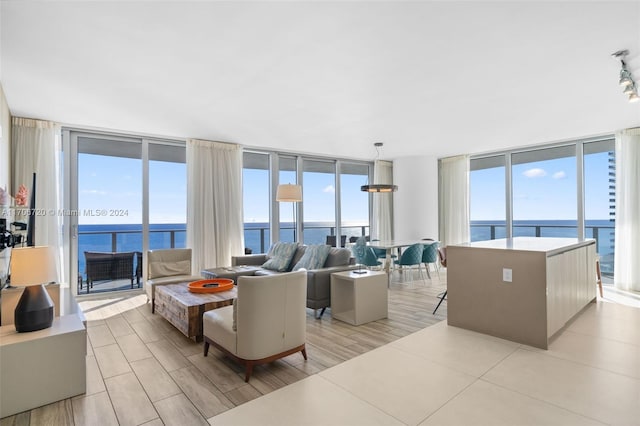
(124, 195)
(109, 195)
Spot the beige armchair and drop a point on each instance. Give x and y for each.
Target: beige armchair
(167, 266)
(270, 320)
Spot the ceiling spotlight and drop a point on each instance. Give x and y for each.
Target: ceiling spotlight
(626, 79)
(629, 89)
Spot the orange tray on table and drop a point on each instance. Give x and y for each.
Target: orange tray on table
(211, 286)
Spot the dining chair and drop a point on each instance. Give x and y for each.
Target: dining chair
(412, 256)
(442, 254)
(382, 253)
(430, 255)
(364, 254)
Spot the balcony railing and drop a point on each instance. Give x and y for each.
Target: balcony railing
(126, 240)
(257, 237)
(603, 234)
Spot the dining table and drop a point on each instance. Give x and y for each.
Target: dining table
(389, 245)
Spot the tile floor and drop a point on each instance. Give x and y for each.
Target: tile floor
(444, 375)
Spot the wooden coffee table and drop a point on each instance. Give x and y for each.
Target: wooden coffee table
(184, 309)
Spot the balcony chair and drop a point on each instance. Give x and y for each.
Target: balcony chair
(442, 254)
(412, 256)
(267, 321)
(331, 240)
(108, 266)
(167, 266)
(430, 255)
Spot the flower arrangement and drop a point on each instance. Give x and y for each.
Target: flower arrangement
(21, 196)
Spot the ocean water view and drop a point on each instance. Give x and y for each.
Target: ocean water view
(128, 237)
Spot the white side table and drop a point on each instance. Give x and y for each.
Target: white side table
(359, 298)
(41, 367)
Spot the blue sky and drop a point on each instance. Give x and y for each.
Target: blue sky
(544, 190)
(318, 196)
(114, 184)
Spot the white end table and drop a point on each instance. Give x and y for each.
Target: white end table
(41, 367)
(359, 298)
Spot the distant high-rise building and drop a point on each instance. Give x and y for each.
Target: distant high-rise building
(612, 193)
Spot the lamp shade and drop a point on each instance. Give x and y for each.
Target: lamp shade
(289, 193)
(32, 266)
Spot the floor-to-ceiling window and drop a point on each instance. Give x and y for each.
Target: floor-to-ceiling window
(319, 189)
(109, 188)
(167, 196)
(544, 192)
(128, 194)
(354, 204)
(599, 199)
(287, 174)
(331, 199)
(255, 200)
(487, 198)
(564, 190)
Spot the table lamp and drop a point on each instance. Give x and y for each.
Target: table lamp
(31, 268)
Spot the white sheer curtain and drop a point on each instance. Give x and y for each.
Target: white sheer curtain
(627, 265)
(214, 203)
(35, 147)
(454, 200)
(382, 202)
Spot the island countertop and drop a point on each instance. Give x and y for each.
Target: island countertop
(550, 246)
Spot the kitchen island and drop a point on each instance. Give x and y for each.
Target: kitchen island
(523, 289)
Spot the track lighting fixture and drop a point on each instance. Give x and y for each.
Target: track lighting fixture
(627, 83)
(629, 89)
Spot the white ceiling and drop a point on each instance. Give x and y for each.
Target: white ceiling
(425, 78)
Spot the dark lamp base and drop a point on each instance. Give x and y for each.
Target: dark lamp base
(34, 310)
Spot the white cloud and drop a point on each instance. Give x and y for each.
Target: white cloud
(559, 175)
(93, 192)
(329, 188)
(534, 173)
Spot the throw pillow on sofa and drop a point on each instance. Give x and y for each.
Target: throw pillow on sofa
(338, 257)
(314, 257)
(280, 255)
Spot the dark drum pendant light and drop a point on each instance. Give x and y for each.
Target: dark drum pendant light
(380, 187)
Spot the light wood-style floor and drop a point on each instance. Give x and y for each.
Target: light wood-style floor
(141, 370)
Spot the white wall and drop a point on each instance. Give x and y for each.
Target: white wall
(415, 205)
(5, 152)
(5, 169)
